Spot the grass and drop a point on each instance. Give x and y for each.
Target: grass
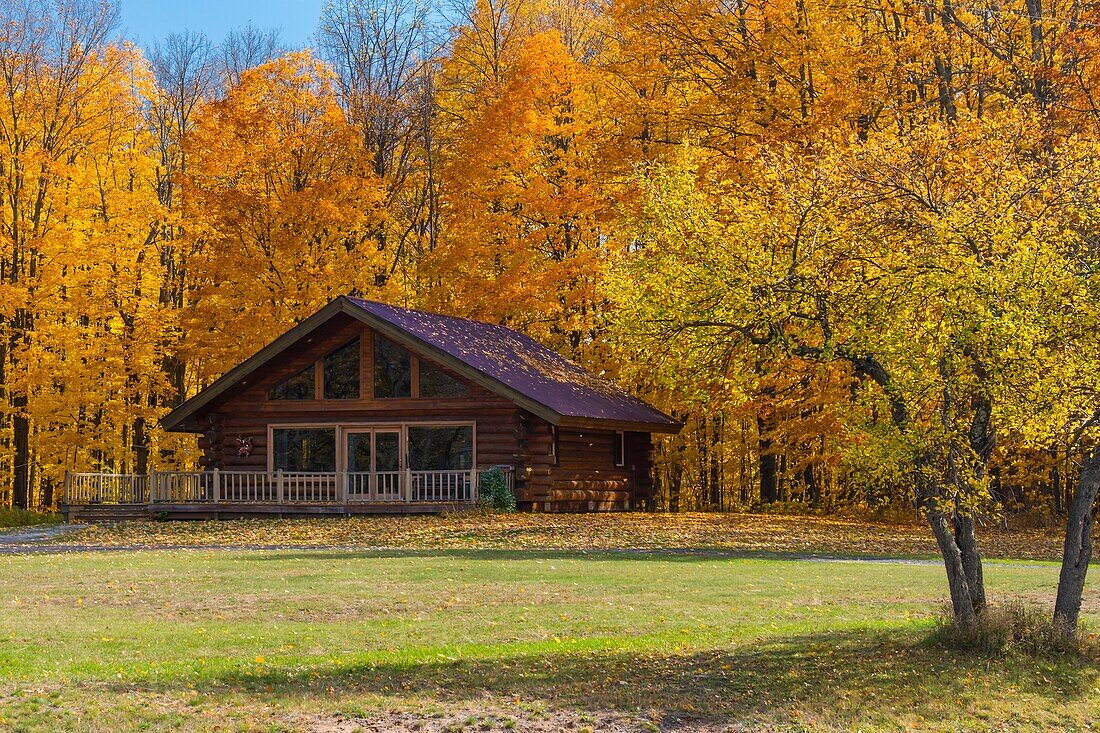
(22, 518)
(493, 639)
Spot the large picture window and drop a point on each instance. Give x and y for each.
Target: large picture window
(341, 371)
(441, 448)
(298, 387)
(304, 449)
(434, 382)
(392, 369)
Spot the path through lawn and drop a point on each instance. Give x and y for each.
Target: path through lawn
(485, 639)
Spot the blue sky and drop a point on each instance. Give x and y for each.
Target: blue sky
(147, 21)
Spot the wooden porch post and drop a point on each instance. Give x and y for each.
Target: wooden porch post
(342, 488)
(217, 485)
(66, 487)
(279, 490)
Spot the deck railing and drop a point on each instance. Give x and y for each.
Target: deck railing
(106, 488)
(377, 486)
(443, 485)
(277, 487)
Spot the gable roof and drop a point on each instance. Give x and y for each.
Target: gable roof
(498, 358)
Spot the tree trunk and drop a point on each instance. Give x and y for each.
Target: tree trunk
(701, 441)
(675, 479)
(813, 489)
(982, 439)
(1056, 484)
(717, 427)
(141, 447)
(1078, 546)
(962, 603)
(22, 480)
(676, 473)
(769, 468)
(967, 542)
(21, 434)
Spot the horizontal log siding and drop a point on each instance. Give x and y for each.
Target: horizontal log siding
(639, 457)
(538, 464)
(586, 477)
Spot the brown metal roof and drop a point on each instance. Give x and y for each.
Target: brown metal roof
(523, 365)
(498, 358)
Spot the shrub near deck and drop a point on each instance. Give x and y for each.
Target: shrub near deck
(24, 518)
(326, 640)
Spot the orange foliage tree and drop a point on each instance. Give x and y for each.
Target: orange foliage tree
(281, 204)
(526, 207)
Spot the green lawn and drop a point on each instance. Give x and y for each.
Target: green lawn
(494, 639)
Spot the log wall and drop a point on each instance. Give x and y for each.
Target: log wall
(580, 474)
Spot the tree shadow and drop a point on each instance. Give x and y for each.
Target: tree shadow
(837, 676)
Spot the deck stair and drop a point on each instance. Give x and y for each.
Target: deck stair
(94, 513)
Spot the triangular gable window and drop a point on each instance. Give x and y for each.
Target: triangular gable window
(298, 387)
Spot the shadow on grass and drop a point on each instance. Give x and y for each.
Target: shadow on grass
(838, 676)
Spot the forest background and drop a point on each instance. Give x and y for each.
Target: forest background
(855, 247)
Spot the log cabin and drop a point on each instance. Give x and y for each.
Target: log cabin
(366, 407)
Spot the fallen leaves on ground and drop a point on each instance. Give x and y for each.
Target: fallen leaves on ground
(627, 531)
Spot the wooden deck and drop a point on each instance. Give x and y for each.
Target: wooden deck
(99, 497)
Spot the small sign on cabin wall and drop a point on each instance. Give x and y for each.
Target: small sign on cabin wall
(244, 446)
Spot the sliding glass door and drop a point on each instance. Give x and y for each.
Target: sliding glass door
(387, 464)
(373, 464)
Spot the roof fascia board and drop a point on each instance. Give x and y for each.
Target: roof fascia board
(595, 423)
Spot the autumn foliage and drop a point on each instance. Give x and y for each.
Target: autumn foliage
(853, 247)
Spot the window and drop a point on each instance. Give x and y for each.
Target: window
(392, 369)
(441, 448)
(304, 449)
(434, 382)
(341, 369)
(619, 449)
(298, 387)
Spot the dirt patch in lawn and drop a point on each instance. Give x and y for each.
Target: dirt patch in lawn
(505, 721)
